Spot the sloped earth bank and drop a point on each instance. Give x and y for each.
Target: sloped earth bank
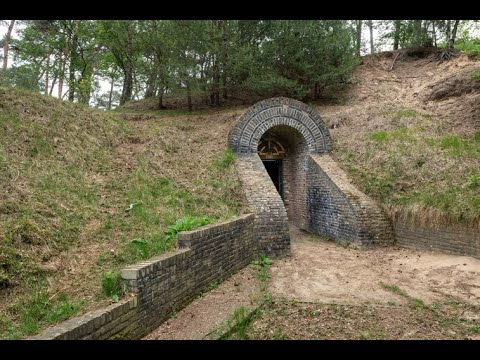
(325, 291)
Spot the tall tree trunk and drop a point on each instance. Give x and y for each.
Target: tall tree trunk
(6, 44)
(224, 54)
(151, 81)
(359, 37)
(53, 85)
(454, 31)
(61, 75)
(216, 83)
(127, 85)
(160, 98)
(47, 70)
(71, 77)
(128, 71)
(434, 34)
(396, 37)
(449, 31)
(370, 26)
(109, 105)
(189, 97)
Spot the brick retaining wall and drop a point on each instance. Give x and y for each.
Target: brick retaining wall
(167, 283)
(451, 239)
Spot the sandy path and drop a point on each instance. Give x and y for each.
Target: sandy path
(320, 270)
(207, 313)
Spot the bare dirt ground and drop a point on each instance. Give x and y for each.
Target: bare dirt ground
(326, 291)
(320, 270)
(207, 313)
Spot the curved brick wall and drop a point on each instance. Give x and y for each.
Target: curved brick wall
(338, 210)
(318, 195)
(271, 221)
(245, 135)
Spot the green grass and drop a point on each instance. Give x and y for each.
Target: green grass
(112, 285)
(469, 47)
(227, 159)
(261, 267)
(420, 169)
(39, 309)
(414, 303)
(81, 181)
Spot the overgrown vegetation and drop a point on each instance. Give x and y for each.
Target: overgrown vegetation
(418, 166)
(30, 312)
(86, 194)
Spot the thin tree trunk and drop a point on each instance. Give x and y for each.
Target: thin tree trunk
(128, 71)
(6, 44)
(47, 73)
(53, 85)
(454, 31)
(109, 106)
(449, 32)
(189, 97)
(434, 34)
(417, 32)
(160, 99)
(359, 37)
(370, 26)
(71, 78)
(396, 38)
(62, 75)
(224, 60)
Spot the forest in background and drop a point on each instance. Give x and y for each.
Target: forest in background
(211, 59)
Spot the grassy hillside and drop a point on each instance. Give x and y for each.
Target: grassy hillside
(410, 137)
(86, 192)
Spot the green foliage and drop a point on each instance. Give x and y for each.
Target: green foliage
(227, 159)
(473, 181)
(185, 224)
(379, 136)
(261, 265)
(241, 320)
(34, 311)
(470, 47)
(414, 303)
(112, 285)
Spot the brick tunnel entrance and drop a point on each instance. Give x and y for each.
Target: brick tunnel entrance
(283, 151)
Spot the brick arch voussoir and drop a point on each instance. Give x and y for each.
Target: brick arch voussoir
(262, 116)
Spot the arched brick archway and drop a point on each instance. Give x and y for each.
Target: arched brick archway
(317, 197)
(258, 119)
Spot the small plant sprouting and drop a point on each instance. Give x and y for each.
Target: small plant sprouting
(186, 223)
(227, 159)
(260, 265)
(112, 285)
(473, 181)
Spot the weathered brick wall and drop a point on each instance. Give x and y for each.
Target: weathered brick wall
(451, 239)
(294, 173)
(318, 195)
(336, 209)
(245, 135)
(167, 282)
(271, 221)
